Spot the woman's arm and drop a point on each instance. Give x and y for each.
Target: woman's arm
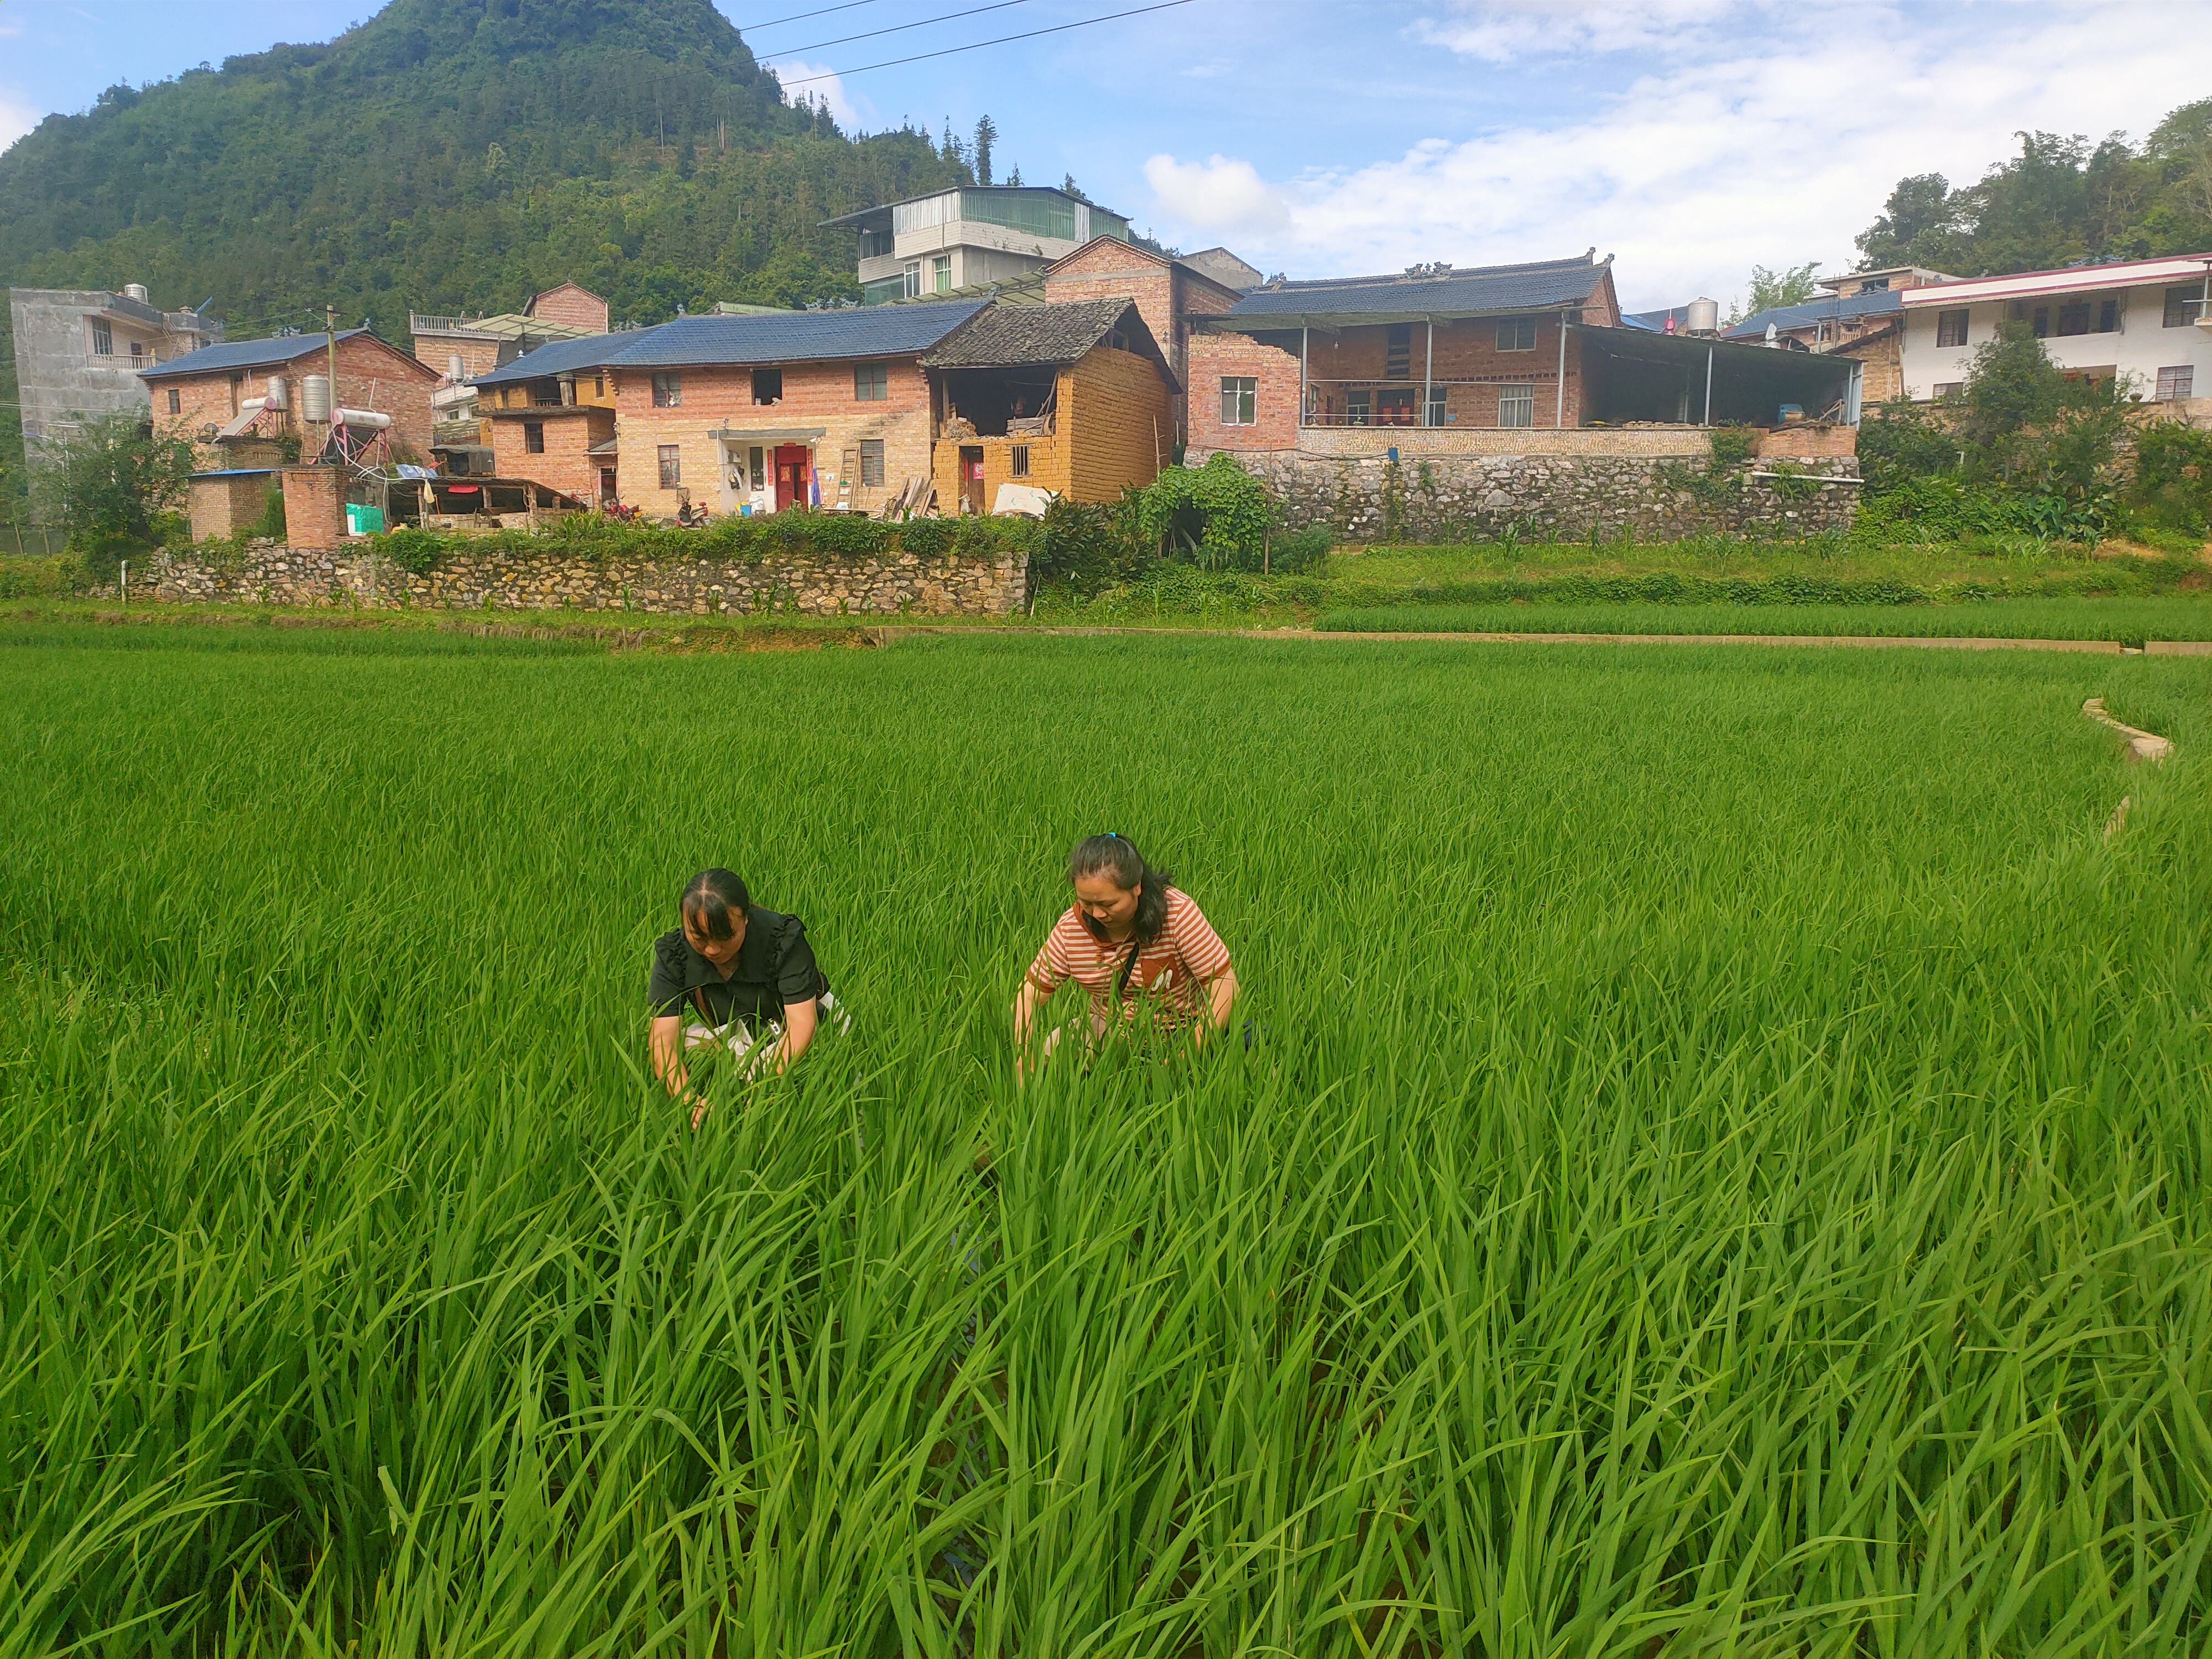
(666, 1045)
(1221, 997)
(1027, 1001)
(798, 1022)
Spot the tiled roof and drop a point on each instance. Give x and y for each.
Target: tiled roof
(1816, 311)
(1474, 290)
(561, 357)
(246, 354)
(797, 337)
(1012, 337)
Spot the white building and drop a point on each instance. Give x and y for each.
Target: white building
(79, 351)
(960, 238)
(2145, 320)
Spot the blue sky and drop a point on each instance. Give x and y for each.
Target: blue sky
(1691, 138)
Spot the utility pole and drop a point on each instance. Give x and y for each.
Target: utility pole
(331, 342)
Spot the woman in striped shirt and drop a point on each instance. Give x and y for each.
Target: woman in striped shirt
(1130, 939)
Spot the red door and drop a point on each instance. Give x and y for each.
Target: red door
(791, 476)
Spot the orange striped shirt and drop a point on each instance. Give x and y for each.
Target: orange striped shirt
(1186, 955)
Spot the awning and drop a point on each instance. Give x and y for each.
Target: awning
(769, 435)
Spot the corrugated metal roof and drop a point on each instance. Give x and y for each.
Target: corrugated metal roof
(561, 357)
(1654, 322)
(246, 354)
(1816, 311)
(1012, 337)
(798, 336)
(1472, 291)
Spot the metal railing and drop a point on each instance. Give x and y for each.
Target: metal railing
(424, 322)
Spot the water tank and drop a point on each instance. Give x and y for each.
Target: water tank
(277, 397)
(135, 291)
(315, 397)
(1702, 316)
(366, 420)
(453, 366)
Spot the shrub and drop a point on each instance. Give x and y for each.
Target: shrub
(410, 547)
(1293, 551)
(1902, 443)
(1085, 547)
(1218, 514)
(926, 538)
(2174, 478)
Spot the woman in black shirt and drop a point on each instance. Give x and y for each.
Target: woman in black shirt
(737, 975)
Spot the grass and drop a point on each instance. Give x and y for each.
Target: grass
(2128, 620)
(1724, 1168)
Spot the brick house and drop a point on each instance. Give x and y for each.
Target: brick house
(571, 304)
(550, 417)
(1861, 316)
(1169, 291)
(239, 404)
(1075, 398)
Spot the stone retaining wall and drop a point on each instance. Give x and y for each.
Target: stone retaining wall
(1552, 496)
(821, 585)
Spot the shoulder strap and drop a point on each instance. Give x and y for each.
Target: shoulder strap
(1128, 967)
(699, 1001)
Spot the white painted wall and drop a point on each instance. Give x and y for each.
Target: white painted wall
(2138, 348)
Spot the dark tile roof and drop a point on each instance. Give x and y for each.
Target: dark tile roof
(797, 337)
(1816, 311)
(246, 354)
(1474, 290)
(1013, 337)
(561, 357)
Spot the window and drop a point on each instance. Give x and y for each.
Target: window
(2040, 326)
(758, 467)
(667, 389)
(1516, 334)
(2181, 306)
(871, 463)
(875, 244)
(137, 353)
(872, 382)
(599, 385)
(1947, 389)
(176, 401)
(2108, 316)
(1398, 354)
(768, 386)
(1517, 405)
(533, 437)
(883, 290)
(1436, 406)
(940, 274)
(672, 466)
(1020, 461)
(1875, 285)
(1951, 328)
(1240, 400)
(912, 282)
(546, 394)
(103, 338)
(2073, 318)
(1355, 408)
(2175, 383)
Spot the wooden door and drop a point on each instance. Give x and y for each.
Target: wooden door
(971, 481)
(791, 476)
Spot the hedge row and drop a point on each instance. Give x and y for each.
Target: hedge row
(742, 540)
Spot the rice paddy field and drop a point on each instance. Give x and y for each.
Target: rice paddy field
(1722, 1169)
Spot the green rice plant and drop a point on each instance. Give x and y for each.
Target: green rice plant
(1722, 1167)
(2128, 620)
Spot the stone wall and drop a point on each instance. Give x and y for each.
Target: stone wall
(822, 585)
(1551, 496)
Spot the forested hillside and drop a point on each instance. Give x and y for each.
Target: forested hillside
(2059, 200)
(452, 156)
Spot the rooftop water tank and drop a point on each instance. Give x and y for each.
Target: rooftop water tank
(315, 397)
(277, 396)
(1702, 316)
(135, 291)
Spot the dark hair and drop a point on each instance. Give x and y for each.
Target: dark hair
(710, 898)
(1116, 858)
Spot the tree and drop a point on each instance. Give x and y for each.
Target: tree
(1792, 285)
(1068, 182)
(107, 481)
(1918, 217)
(987, 133)
(2021, 423)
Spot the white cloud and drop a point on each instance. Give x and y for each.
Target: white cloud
(1216, 194)
(823, 84)
(1501, 31)
(16, 117)
(1771, 146)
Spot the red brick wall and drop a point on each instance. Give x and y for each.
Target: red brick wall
(1115, 271)
(1466, 352)
(579, 307)
(478, 357)
(314, 513)
(224, 506)
(814, 395)
(371, 375)
(1214, 356)
(570, 431)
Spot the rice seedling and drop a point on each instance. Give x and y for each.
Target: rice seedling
(1724, 1169)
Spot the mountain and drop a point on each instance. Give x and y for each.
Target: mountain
(452, 155)
(2059, 201)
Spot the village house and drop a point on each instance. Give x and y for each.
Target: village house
(2147, 322)
(1861, 316)
(461, 348)
(1168, 289)
(549, 417)
(78, 353)
(767, 412)
(969, 237)
(1444, 362)
(253, 402)
(1075, 398)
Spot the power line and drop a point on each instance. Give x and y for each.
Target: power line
(976, 45)
(846, 39)
(798, 16)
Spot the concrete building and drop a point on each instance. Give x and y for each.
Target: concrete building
(2147, 321)
(969, 237)
(79, 351)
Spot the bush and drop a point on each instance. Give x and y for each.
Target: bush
(272, 525)
(32, 578)
(2173, 479)
(1900, 444)
(1086, 547)
(1217, 515)
(410, 548)
(1293, 551)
